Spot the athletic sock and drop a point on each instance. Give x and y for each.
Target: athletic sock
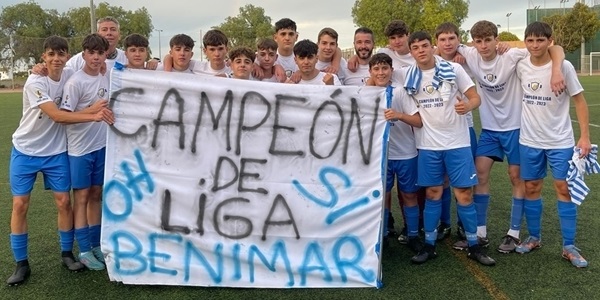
(18, 244)
(446, 203)
(386, 213)
(431, 218)
(516, 217)
(533, 215)
(468, 216)
(83, 239)
(481, 201)
(66, 240)
(412, 220)
(567, 214)
(95, 235)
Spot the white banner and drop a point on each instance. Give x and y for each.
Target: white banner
(224, 182)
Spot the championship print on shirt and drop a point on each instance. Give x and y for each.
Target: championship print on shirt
(534, 86)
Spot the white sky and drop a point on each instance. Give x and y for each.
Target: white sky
(179, 16)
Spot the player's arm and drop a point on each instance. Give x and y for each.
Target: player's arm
(412, 120)
(557, 81)
(583, 118)
(167, 63)
(66, 117)
(335, 62)
(469, 102)
(353, 63)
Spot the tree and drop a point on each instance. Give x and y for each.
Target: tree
(248, 26)
(506, 36)
(417, 14)
(568, 30)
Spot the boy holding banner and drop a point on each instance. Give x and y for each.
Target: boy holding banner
(305, 55)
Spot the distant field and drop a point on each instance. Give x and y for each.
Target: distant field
(539, 275)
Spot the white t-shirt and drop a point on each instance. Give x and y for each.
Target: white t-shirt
(402, 144)
(360, 77)
(37, 134)
(398, 60)
(545, 117)
(318, 80)
(498, 87)
(204, 68)
(443, 128)
(469, 115)
(341, 74)
(81, 91)
(288, 63)
(76, 62)
(271, 79)
(189, 69)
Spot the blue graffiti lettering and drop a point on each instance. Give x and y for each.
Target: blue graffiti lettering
(153, 254)
(278, 249)
(342, 263)
(314, 250)
(191, 250)
(134, 254)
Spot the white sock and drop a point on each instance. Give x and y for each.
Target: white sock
(482, 231)
(514, 233)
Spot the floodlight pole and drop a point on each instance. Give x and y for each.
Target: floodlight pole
(92, 17)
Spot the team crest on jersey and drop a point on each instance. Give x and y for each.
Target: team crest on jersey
(429, 89)
(58, 99)
(534, 86)
(101, 92)
(38, 93)
(288, 73)
(490, 77)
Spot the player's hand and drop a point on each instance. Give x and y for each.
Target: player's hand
(151, 64)
(331, 69)
(97, 106)
(370, 82)
(557, 83)
(40, 69)
(257, 72)
(353, 63)
(502, 47)
(584, 146)
(103, 69)
(461, 107)
(296, 77)
(105, 115)
(459, 59)
(328, 79)
(391, 115)
(279, 73)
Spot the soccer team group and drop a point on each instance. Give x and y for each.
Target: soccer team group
(523, 97)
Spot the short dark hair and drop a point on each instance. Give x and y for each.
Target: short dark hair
(363, 30)
(447, 27)
(242, 51)
(266, 44)
(181, 40)
(214, 37)
(305, 48)
(285, 23)
(135, 40)
(94, 42)
(396, 27)
(380, 58)
(418, 36)
(483, 29)
(328, 31)
(56, 43)
(538, 29)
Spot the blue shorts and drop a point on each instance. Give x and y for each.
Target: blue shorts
(497, 144)
(24, 169)
(534, 162)
(473, 137)
(87, 170)
(405, 172)
(457, 163)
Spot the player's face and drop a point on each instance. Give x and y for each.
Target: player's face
(241, 67)
(94, 59)
(216, 53)
(285, 38)
(363, 45)
(381, 74)
(306, 65)
(110, 31)
(422, 51)
(327, 47)
(537, 45)
(266, 58)
(181, 56)
(55, 60)
(399, 43)
(486, 47)
(136, 56)
(447, 44)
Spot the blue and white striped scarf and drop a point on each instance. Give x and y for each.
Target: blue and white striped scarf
(443, 72)
(578, 167)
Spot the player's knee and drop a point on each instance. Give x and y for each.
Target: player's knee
(20, 206)
(533, 189)
(562, 190)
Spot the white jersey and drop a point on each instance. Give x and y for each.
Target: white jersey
(318, 80)
(402, 144)
(288, 63)
(271, 79)
(76, 62)
(358, 78)
(204, 68)
(398, 60)
(469, 115)
(37, 134)
(498, 87)
(81, 91)
(545, 117)
(341, 74)
(188, 70)
(443, 128)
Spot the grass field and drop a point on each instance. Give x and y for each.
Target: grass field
(542, 274)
